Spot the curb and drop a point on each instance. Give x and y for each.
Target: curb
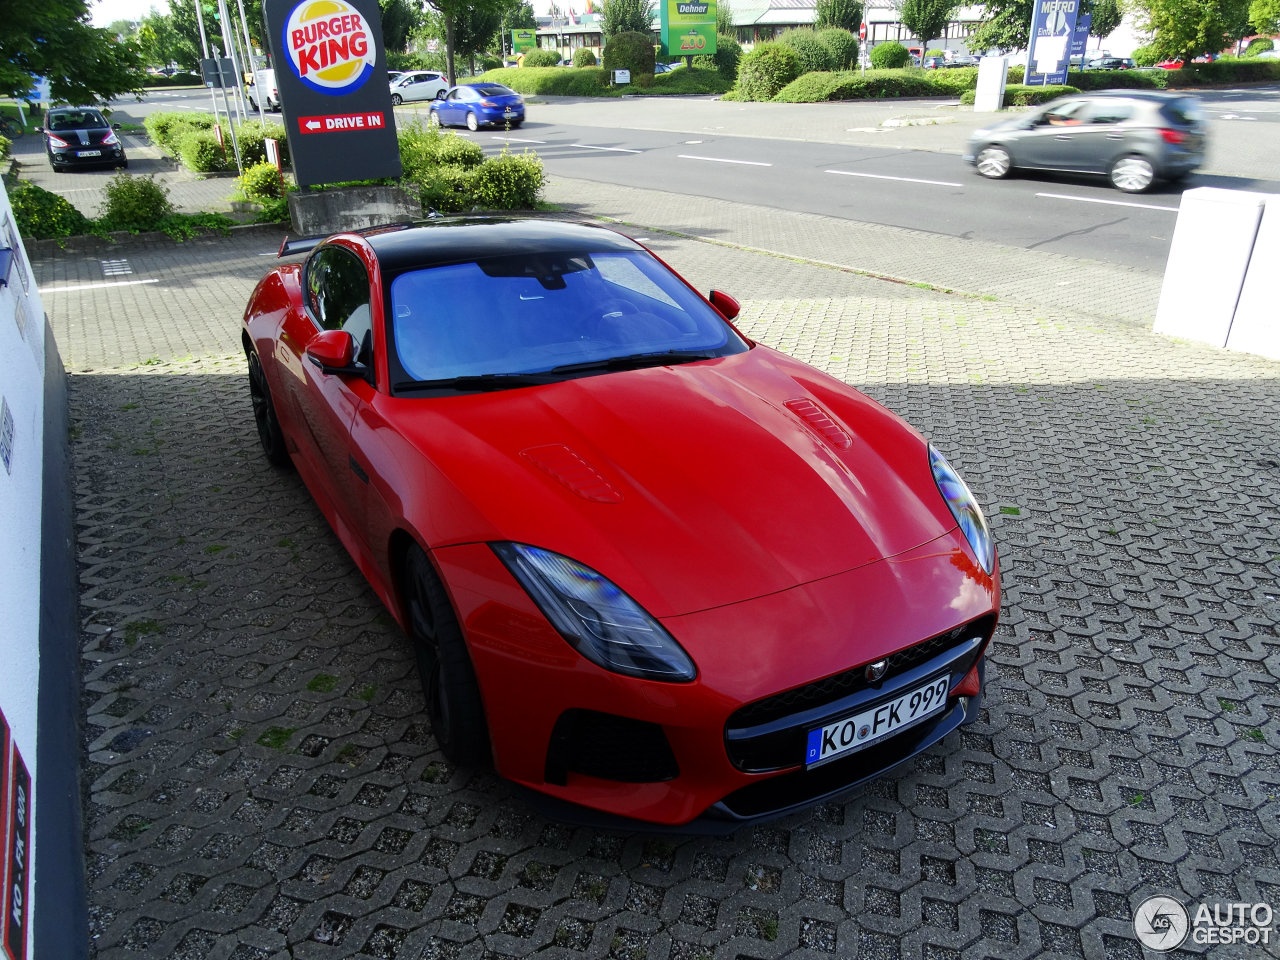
(90, 243)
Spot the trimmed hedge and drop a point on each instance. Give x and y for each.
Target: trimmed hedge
(583, 57)
(553, 81)
(812, 53)
(766, 70)
(843, 46)
(890, 55)
(44, 215)
(540, 58)
(177, 80)
(629, 51)
(1018, 95)
(853, 85)
(725, 60)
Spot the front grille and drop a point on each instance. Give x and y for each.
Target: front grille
(769, 734)
(609, 747)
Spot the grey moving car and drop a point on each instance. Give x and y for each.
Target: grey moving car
(1132, 137)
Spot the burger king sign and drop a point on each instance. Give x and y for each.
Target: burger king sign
(341, 126)
(330, 47)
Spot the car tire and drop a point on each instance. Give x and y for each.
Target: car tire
(264, 414)
(123, 164)
(993, 162)
(473, 122)
(396, 99)
(1132, 174)
(515, 124)
(444, 666)
(253, 104)
(433, 119)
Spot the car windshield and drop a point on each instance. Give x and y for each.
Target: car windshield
(552, 315)
(76, 120)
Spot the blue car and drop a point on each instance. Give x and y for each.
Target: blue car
(478, 105)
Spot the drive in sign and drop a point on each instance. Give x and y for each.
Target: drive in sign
(340, 125)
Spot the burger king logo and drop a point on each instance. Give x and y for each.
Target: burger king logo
(329, 46)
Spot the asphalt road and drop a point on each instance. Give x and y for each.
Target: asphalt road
(892, 163)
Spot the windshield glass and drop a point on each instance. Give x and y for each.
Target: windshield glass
(532, 314)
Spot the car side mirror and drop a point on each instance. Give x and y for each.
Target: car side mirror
(725, 305)
(333, 351)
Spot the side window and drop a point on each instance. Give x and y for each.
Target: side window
(1109, 113)
(1066, 114)
(338, 292)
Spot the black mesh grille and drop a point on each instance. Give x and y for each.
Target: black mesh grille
(770, 734)
(831, 689)
(609, 747)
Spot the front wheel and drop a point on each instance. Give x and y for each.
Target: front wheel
(1132, 174)
(473, 123)
(264, 414)
(994, 162)
(433, 119)
(444, 666)
(396, 99)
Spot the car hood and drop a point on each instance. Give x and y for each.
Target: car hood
(690, 486)
(1018, 122)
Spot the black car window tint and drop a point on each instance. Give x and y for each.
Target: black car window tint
(344, 288)
(1109, 113)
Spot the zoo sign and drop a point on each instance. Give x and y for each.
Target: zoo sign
(688, 27)
(331, 72)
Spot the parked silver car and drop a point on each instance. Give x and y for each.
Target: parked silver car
(1132, 137)
(417, 85)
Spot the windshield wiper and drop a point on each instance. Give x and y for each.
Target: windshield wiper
(478, 381)
(634, 361)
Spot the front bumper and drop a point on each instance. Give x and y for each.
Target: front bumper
(82, 156)
(727, 747)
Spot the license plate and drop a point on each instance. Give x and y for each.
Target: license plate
(509, 114)
(88, 153)
(875, 723)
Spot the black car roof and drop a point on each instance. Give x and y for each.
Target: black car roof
(458, 240)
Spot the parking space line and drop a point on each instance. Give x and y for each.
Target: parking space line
(1113, 203)
(749, 163)
(498, 136)
(882, 176)
(94, 286)
(587, 146)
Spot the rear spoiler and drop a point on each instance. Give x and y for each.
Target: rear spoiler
(291, 247)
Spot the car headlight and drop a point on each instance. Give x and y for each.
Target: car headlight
(596, 616)
(964, 508)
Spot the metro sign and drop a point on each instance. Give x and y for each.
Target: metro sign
(342, 122)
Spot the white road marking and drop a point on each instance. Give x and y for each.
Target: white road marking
(95, 286)
(1113, 203)
(749, 163)
(587, 146)
(881, 176)
(498, 136)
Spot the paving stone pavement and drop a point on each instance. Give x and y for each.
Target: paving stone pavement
(260, 779)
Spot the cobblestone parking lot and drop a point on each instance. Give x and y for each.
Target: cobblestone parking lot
(261, 782)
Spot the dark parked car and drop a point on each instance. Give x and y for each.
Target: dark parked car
(933, 63)
(1132, 137)
(81, 137)
(1111, 63)
(477, 105)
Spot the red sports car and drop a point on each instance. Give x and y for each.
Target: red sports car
(650, 568)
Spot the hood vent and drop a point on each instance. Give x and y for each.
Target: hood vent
(570, 469)
(820, 422)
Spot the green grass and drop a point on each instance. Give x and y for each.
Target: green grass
(322, 683)
(276, 737)
(135, 631)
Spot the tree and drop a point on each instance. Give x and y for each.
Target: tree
(452, 14)
(1107, 17)
(1264, 15)
(158, 40)
(1187, 30)
(54, 39)
(626, 16)
(926, 19)
(724, 19)
(399, 19)
(845, 14)
(1007, 26)
(474, 30)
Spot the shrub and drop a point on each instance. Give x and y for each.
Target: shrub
(5, 146)
(486, 62)
(252, 136)
(552, 81)
(689, 82)
(812, 53)
(583, 57)
(445, 189)
(853, 85)
(724, 60)
(1114, 79)
(509, 182)
(955, 80)
(1225, 71)
(766, 70)
(199, 151)
(135, 203)
(843, 46)
(1258, 45)
(935, 52)
(1018, 95)
(165, 129)
(541, 58)
(42, 215)
(629, 51)
(425, 148)
(890, 55)
(260, 182)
